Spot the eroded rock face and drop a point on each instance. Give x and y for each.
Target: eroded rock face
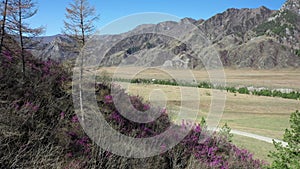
(235, 21)
(256, 38)
(260, 53)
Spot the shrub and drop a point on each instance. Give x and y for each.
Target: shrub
(297, 52)
(225, 132)
(243, 90)
(206, 85)
(231, 89)
(289, 156)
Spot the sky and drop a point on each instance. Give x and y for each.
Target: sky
(51, 13)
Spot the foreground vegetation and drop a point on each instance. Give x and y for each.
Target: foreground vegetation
(289, 156)
(40, 130)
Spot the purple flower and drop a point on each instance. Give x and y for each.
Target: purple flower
(35, 108)
(197, 129)
(75, 119)
(163, 147)
(146, 107)
(28, 104)
(117, 117)
(7, 56)
(17, 107)
(108, 99)
(72, 134)
(87, 150)
(69, 155)
(62, 115)
(83, 141)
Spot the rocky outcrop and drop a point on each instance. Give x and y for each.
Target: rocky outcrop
(234, 21)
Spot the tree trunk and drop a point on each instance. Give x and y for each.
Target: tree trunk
(21, 38)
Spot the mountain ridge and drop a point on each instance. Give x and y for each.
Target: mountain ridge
(257, 38)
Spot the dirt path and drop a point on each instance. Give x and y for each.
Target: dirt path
(258, 137)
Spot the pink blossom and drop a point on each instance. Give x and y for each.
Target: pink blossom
(35, 108)
(197, 129)
(28, 104)
(8, 56)
(108, 99)
(62, 115)
(163, 147)
(75, 119)
(69, 155)
(146, 107)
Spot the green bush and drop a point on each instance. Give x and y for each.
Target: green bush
(298, 52)
(289, 156)
(206, 85)
(225, 132)
(231, 89)
(243, 90)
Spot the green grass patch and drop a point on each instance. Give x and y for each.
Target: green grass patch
(260, 149)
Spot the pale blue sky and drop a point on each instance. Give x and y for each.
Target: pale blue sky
(52, 12)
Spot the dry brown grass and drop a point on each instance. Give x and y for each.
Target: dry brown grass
(283, 78)
(267, 116)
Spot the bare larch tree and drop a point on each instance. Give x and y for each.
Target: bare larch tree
(20, 11)
(78, 26)
(79, 23)
(4, 10)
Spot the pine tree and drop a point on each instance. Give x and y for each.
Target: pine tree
(288, 157)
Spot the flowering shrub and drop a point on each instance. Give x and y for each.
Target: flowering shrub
(215, 151)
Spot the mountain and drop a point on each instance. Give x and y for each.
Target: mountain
(54, 47)
(284, 25)
(244, 38)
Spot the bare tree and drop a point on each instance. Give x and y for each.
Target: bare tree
(20, 11)
(4, 10)
(79, 23)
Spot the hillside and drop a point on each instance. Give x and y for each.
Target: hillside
(244, 38)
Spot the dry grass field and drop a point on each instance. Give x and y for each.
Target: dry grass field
(266, 116)
(283, 78)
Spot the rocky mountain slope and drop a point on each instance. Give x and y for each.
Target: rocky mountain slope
(244, 38)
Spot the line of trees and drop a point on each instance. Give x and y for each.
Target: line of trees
(207, 85)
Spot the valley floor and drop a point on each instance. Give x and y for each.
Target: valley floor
(257, 115)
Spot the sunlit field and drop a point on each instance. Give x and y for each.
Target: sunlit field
(277, 78)
(266, 116)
